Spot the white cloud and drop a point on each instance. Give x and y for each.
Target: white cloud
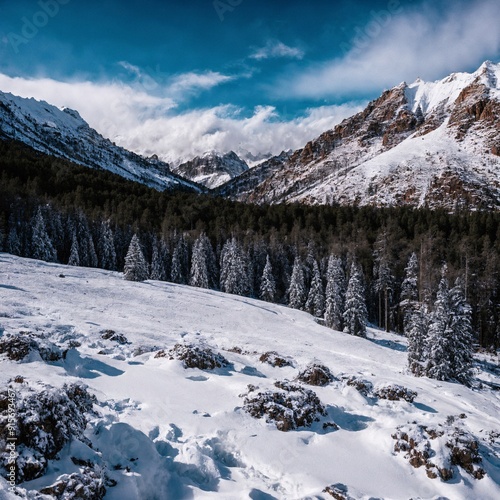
(403, 46)
(276, 49)
(149, 124)
(189, 82)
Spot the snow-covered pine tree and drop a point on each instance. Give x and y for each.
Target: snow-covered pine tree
(86, 248)
(409, 291)
(106, 247)
(267, 290)
(315, 303)
(416, 332)
(180, 262)
(461, 324)
(74, 256)
(234, 269)
(355, 314)
(384, 279)
(440, 337)
(41, 244)
(335, 293)
(159, 260)
(297, 289)
(13, 244)
(200, 273)
(136, 267)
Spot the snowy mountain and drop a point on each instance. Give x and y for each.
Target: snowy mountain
(212, 169)
(128, 390)
(63, 133)
(431, 144)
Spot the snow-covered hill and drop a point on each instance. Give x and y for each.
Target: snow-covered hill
(425, 144)
(65, 134)
(212, 169)
(163, 431)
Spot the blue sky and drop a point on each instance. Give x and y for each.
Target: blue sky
(178, 78)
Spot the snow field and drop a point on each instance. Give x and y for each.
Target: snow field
(172, 432)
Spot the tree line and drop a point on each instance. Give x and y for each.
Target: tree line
(312, 258)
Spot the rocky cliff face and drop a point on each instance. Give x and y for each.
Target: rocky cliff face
(212, 169)
(426, 144)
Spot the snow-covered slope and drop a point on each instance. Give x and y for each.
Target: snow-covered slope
(162, 431)
(65, 134)
(212, 169)
(426, 144)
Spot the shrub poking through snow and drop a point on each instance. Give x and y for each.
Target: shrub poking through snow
(338, 491)
(115, 337)
(394, 392)
(45, 421)
(362, 386)
(195, 357)
(440, 450)
(274, 359)
(289, 407)
(19, 345)
(87, 484)
(315, 374)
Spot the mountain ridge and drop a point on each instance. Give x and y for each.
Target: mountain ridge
(433, 144)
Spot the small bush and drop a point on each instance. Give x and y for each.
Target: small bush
(115, 337)
(274, 359)
(18, 346)
(364, 387)
(85, 485)
(316, 374)
(289, 407)
(195, 357)
(394, 392)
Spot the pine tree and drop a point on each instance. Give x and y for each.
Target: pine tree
(234, 269)
(200, 274)
(335, 293)
(416, 332)
(180, 262)
(159, 260)
(461, 325)
(267, 290)
(297, 289)
(41, 245)
(384, 279)
(315, 303)
(136, 267)
(355, 314)
(86, 248)
(106, 247)
(13, 244)
(409, 291)
(440, 346)
(74, 257)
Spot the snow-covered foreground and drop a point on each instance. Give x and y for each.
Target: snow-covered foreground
(166, 432)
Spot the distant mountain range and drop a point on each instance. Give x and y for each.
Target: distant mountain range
(64, 133)
(432, 144)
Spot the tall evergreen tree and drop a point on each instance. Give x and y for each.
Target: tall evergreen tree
(86, 247)
(297, 289)
(335, 293)
(384, 279)
(159, 260)
(202, 263)
(136, 267)
(41, 244)
(267, 290)
(409, 291)
(180, 262)
(416, 332)
(234, 269)
(74, 256)
(315, 303)
(461, 325)
(440, 347)
(355, 314)
(106, 246)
